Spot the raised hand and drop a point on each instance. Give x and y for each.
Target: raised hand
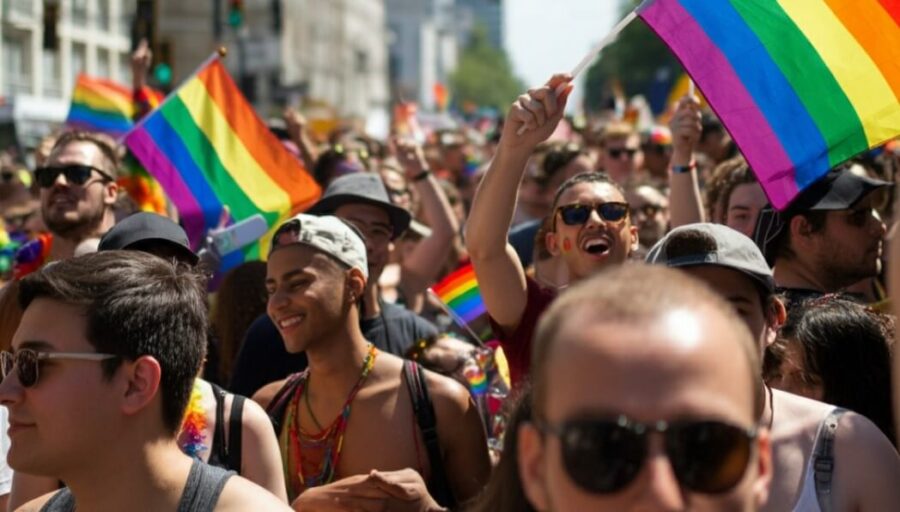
(533, 117)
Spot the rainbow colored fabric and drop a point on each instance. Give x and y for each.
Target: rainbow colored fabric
(208, 149)
(460, 293)
(801, 85)
(101, 105)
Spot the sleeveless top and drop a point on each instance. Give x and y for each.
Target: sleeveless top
(201, 491)
(227, 455)
(815, 496)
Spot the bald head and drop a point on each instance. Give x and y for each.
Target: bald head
(653, 322)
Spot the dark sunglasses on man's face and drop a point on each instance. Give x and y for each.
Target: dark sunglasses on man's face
(27, 362)
(75, 174)
(578, 214)
(605, 456)
(617, 153)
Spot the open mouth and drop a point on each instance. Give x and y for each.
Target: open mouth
(596, 246)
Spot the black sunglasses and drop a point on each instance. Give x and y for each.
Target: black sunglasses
(618, 152)
(75, 174)
(27, 362)
(649, 210)
(605, 456)
(578, 214)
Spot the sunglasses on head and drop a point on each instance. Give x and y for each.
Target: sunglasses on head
(27, 362)
(618, 152)
(578, 214)
(75, 174)
(605, 456)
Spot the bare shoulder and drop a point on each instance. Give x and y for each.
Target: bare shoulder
(240, 494)
(867, 466)
(450, 398)
(266, 394)
(858, 440)
(36, 504)
(254, 417)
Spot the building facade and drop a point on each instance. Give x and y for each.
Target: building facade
(424, 46)
(36, 79)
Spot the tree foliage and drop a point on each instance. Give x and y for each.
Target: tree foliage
(638, 60)
(484, 75)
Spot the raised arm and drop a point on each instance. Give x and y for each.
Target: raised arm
(530, 121)
(296, 128)
(685, 204)
(420, 264)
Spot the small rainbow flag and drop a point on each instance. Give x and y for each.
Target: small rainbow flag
(801, 85)
(460, 293)
(207, 148)
(101, 105)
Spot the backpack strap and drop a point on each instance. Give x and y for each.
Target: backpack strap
(234, 446)
(278, 406)
(823, 459)
(423, 409)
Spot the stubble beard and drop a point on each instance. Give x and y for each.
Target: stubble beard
(76, 230)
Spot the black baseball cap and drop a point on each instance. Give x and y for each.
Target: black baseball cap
(147, 227)
(363, 187)
(840, 189)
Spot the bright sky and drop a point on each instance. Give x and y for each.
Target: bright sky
(544, 37)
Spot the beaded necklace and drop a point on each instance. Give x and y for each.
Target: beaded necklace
(310, 459)
(192, 437)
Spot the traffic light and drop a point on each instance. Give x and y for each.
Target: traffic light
(235, 13)
(162, 71)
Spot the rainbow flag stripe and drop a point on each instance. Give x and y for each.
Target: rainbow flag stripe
(801, 85)
(459, 291)
(208, 149)
(101, 105)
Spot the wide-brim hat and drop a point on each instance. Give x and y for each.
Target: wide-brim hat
(364, 188)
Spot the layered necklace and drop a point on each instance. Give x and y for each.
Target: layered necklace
(311, 459)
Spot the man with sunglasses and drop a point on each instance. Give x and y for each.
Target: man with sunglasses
(77, 192)
(620, 154)
(672, 423)
(649, 212)
(858, 466)
(101, 373)
(591, 229)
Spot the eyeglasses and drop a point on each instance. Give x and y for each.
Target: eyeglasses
(27, 362)
(578, 214)
(618, 152)
(75, 174)
(605, 456)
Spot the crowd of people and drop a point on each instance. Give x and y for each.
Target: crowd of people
(663, 339)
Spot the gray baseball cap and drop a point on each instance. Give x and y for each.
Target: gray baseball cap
(327, 234)
(712, 244)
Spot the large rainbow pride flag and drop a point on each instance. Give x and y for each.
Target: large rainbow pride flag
(801, 85)
(101, 105)
(208, 149)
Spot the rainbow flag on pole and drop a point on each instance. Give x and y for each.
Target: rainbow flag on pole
(801, 85)
(101, 105)
(460, 293)
(208, 149)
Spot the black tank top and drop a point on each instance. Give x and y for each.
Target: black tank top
(227, 455)
(201, 491)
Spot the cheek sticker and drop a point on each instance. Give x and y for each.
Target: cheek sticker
(567, 245)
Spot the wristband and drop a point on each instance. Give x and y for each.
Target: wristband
(422, 175)
(681, 169)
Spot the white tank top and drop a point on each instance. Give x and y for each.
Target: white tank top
(809, 500)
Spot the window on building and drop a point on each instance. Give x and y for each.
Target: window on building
(79, 13)
(16, 65)
(103, 64)
(124, 75)
(79, 60)
(103, 15)
(52, 74)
